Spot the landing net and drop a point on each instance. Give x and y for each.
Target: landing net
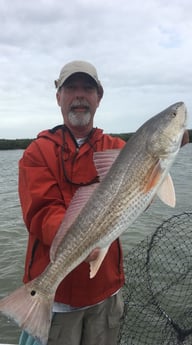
(158, 288)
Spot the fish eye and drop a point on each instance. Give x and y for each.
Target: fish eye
(33, 293)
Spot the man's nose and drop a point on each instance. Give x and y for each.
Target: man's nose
(80, 92)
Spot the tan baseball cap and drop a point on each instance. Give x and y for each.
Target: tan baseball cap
(78, 67)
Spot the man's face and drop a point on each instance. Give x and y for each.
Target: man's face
(78, 99)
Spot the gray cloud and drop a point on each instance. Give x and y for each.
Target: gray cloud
(142, 51)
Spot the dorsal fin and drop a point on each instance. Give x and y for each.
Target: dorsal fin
(79, 200)
(104, 160)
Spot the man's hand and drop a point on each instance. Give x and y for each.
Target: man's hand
(185, 139)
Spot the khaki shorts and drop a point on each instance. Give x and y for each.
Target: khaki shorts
(97, 325)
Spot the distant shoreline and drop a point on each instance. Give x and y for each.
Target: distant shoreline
(22, 144)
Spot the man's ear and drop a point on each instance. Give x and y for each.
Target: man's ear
(100, 95)
(58, 97)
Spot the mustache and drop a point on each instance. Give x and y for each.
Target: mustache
(79, 103)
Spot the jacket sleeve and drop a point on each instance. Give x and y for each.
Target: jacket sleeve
(42, 203)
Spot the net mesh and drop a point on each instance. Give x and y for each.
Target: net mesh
(158, 287)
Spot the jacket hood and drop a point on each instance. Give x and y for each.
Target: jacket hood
(56, 134)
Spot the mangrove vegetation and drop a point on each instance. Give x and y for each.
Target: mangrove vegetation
(21, 144)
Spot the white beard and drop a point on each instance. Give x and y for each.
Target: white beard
(79, 119)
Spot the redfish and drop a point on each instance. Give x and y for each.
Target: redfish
(98, 214)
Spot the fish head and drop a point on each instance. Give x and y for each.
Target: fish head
(166, 131)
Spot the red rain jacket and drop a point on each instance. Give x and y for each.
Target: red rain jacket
(50, 171)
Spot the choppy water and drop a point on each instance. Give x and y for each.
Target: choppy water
(13, 235)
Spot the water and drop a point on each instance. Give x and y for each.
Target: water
(13, 236)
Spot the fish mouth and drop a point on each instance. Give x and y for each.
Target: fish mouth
(180, 110)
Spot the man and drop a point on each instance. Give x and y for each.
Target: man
(86, 311)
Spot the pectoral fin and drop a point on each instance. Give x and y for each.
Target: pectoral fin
(166, 192)
(154, 177)
(95, 265)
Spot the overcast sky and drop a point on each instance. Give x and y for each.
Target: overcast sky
(142, 51)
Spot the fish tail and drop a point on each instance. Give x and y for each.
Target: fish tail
(30, 309)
